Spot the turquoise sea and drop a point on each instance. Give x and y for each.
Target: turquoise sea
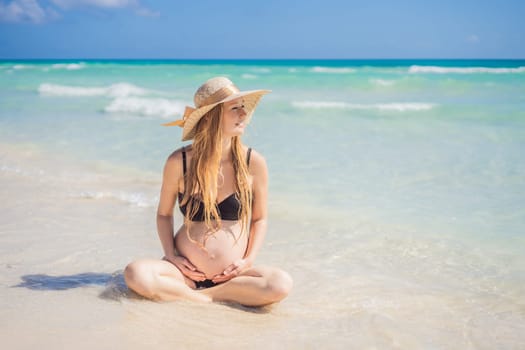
(397, 187)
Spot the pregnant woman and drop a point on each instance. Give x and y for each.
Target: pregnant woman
(221, 188)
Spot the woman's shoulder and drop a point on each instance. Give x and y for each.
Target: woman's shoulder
(176, 158)
(257, 161)
(178, 154)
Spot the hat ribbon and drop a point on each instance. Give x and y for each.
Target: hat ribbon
(189, 110)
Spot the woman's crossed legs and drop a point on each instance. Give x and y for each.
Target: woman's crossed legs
(163, 281)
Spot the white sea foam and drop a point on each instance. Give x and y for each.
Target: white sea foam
(464, 70)
(395, 106)
(332, 70)
(155, 107)
(57, 66)
(21, 66)
(115, 90)
(382, 82)
(69, 66)
(16, 170)
(134, 199)
(261, 70)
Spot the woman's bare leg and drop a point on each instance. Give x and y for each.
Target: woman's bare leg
(160, 280)
(257, 286)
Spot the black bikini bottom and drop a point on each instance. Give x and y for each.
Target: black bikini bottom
(205, 284)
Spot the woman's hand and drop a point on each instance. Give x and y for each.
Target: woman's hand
(186, 267)
(231, 271)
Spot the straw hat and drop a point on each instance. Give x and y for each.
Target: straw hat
(210, 94)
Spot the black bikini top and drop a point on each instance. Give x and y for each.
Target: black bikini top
(228, 208)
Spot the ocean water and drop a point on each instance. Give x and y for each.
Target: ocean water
(397, 196)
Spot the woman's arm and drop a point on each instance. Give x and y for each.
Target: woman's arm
(169, 190)
(258, 225)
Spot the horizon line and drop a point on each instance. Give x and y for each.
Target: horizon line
(261, 59)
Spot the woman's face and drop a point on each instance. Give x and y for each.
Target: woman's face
(233, 118)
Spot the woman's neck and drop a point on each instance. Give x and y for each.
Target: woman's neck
(226, 150)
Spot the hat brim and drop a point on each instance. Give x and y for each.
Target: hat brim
(251, 99)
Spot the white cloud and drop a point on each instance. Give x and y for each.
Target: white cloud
(107, 4)
(66, 4)
(26, 11)
(32, 11)
(473, 38)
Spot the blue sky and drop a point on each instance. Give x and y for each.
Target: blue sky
(262, 29)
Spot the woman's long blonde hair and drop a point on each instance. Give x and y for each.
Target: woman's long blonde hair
(203, 172)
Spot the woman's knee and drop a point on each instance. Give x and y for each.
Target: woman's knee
(139, 277)
(132, 272)
(279, 284)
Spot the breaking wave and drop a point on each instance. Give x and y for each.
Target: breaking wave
(463, 70)
(114, 90)
(395, 106)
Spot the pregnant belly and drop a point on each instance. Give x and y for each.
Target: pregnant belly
(220, 249)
